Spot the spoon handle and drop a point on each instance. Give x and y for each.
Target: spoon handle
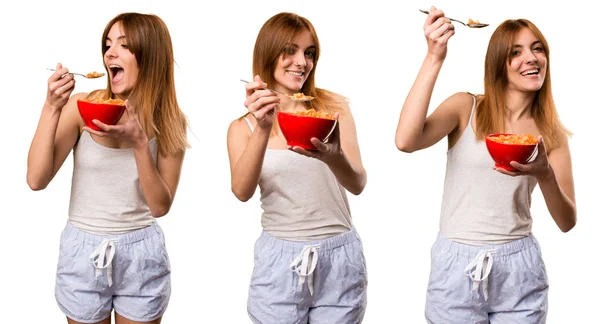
(69, 73)
(278, 92)
(458, 21)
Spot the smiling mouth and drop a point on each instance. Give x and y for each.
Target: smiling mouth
(296, 73)
(530, 72)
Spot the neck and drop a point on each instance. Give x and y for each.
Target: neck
(518, 104)
(129, 97)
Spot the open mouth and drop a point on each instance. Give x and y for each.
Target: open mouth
(116, 73)
(530, 72)
(296, 73)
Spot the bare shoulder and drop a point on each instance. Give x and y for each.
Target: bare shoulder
(460, 101)
(240, 128)
(71, 112)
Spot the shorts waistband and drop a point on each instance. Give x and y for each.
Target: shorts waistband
(74, 233)
(515, 246)
(295, 247)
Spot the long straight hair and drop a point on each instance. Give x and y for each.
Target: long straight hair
(156, 101)
(271, 43)
(490, 110)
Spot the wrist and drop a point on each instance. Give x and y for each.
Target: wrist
(336, 159)
(51, 109)
(546, 176)
(433, 60)
(141, 142)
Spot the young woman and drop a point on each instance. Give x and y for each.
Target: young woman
(309, 263)
(486, 265)
(112, 251)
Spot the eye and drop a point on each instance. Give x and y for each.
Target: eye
(124, 46)
(538, 49)
(310, 54)
(515, 53)
(287, 51)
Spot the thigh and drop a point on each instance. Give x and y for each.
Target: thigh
(340, 286)
(81, 295)
(122, 320)
(275, 295)
(106, 321)
(142, 275)
(449, 295)
(521, 282)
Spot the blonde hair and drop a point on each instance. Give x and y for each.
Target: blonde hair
(490, 109)
(271, 43)
(149, 40)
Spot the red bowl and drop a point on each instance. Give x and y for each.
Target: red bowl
(298, 130)
(104, 112)
(502, 153)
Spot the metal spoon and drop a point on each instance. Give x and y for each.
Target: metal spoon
(293, 97)
(472, 25)
(91, 75)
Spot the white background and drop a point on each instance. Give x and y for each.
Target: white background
(371, 52)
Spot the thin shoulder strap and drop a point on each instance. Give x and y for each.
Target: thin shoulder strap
(472, 109)
(249, 123)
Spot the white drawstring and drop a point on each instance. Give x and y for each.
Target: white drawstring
(304, 265)
(479, 270)
(97, 257)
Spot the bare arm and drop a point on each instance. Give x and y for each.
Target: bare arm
(415, 130)
(554, 174)
(247, 150)
(341, 154)
(57, 131)
(559, 189)
(246, 155)
(158, 181)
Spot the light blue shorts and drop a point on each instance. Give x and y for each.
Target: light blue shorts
(308, 282)
(137, 283)
(504, 283)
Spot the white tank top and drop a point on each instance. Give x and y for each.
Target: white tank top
(481, 206)
(106, 196)
(301, 198)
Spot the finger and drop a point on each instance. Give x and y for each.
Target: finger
(66, 88)
(444, 27)
(261, 102)
(446, 36)
(433, 15)
(256, 95)
(93, 131)
(335, 134)
(265, 110)
(541, 145)
(302, 151)
(521, 167)
(321, 147)
(103, 126)
(504, 171)
(59, 72)
(59, 82)
(253, 86)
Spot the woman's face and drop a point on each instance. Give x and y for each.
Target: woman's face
(527, 63)
(121, 63)
(295, 64)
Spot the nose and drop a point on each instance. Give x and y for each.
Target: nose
(110, 52)
(300, 60)
(530, 58)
